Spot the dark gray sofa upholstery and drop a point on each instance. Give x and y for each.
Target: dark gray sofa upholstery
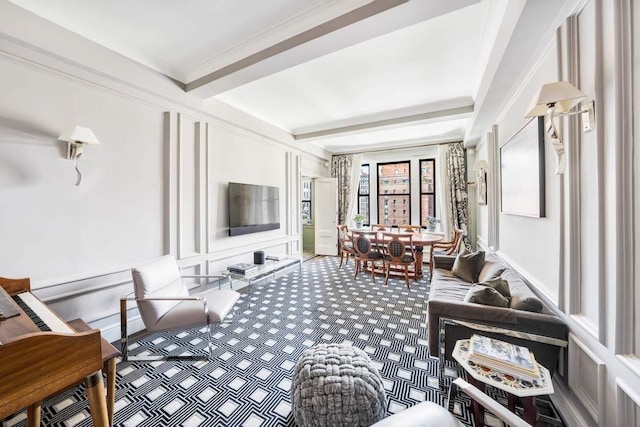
(446, 301)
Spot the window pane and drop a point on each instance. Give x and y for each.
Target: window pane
(427, 190)
(428, 208)
(364, 180)
(363, 193)
(393, 178)
(394, 210)
(394, 189)
(363, 208)
(426, 176)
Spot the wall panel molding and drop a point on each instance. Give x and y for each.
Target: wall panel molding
(188, 207)
(587, 378)
(626, 94)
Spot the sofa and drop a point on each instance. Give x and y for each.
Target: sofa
(526, 320)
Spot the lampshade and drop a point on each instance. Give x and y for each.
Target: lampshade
(79, 134)
(481, 165)
(562, 95)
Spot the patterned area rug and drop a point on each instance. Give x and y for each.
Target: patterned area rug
(248, 379)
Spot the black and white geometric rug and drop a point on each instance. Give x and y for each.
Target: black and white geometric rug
(248, 379)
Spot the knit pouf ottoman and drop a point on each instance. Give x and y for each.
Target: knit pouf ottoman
(336, 385)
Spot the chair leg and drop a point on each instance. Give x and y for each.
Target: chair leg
(387, 270)
(373, 271)
(406, 275)
(357, 261)
(341, 258)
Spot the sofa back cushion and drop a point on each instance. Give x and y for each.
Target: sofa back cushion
(491, 269)
(467, 265)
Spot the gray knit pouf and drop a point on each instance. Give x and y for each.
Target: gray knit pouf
(336, 385)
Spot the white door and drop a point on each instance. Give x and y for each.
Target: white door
(326, 215)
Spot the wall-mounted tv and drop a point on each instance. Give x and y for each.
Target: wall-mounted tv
(253, 208)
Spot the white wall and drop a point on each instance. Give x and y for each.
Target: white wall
(581, 257)
(156, 184)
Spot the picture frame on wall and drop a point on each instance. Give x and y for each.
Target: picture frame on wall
(522, 171)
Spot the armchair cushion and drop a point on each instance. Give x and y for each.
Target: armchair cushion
(424, 414)
(467, 265)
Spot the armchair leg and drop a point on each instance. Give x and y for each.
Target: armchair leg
(124, 343)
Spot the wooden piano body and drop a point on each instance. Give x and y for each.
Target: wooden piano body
(35, 364)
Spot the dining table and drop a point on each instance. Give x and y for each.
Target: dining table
(419, 241)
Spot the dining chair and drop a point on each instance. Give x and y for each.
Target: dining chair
(451, 247)
(367, 250)
(381, 227)
(345, 245)
(399, 251)
(164, 303)
(410, 229)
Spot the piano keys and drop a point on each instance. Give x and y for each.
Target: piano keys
(35, 365)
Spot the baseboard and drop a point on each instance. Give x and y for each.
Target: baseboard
(572, 412)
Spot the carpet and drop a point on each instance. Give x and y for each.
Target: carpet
(248, 379)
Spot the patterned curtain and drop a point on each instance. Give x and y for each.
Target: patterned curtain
(458, 197)
(341, 166)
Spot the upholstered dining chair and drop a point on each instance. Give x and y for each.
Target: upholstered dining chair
(164, 303)
(345, 245)
(451, 247)
(367, 250)
(399, 251)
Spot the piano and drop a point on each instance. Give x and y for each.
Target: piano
(42, 358)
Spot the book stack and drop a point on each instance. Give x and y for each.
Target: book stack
(501, 356)
(242, 268)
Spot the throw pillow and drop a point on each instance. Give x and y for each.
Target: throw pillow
(486, 295)
(527, 303)
(491, 270)
(499, 284)
(467, 265)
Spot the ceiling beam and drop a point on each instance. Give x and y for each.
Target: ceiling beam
(356, 15)
(414, 119)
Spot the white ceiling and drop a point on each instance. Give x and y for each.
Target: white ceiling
(346, 75)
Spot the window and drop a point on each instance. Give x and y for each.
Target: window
(427, 190)
(363, 194)
(394, 188)
(306, 202)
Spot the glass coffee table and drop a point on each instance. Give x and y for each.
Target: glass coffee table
(244, 283)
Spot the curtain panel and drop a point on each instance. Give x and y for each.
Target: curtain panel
(457, 196)
(341, 169)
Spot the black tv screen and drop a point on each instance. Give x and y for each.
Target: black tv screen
(253, 208)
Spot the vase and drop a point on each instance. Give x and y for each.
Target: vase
(431, 227)
(358, 225)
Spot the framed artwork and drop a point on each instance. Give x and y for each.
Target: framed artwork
(522, 174)
(482, 187)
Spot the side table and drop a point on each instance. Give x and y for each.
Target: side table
(480, 376)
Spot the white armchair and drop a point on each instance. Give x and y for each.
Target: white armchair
(165, 304)
(429, 414)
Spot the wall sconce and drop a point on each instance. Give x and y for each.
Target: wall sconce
(76, 139)
(556, 100)
(481, 167)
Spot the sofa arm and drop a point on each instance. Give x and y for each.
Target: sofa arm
(444, 261)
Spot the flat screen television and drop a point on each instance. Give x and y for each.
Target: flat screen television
(253, 208)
